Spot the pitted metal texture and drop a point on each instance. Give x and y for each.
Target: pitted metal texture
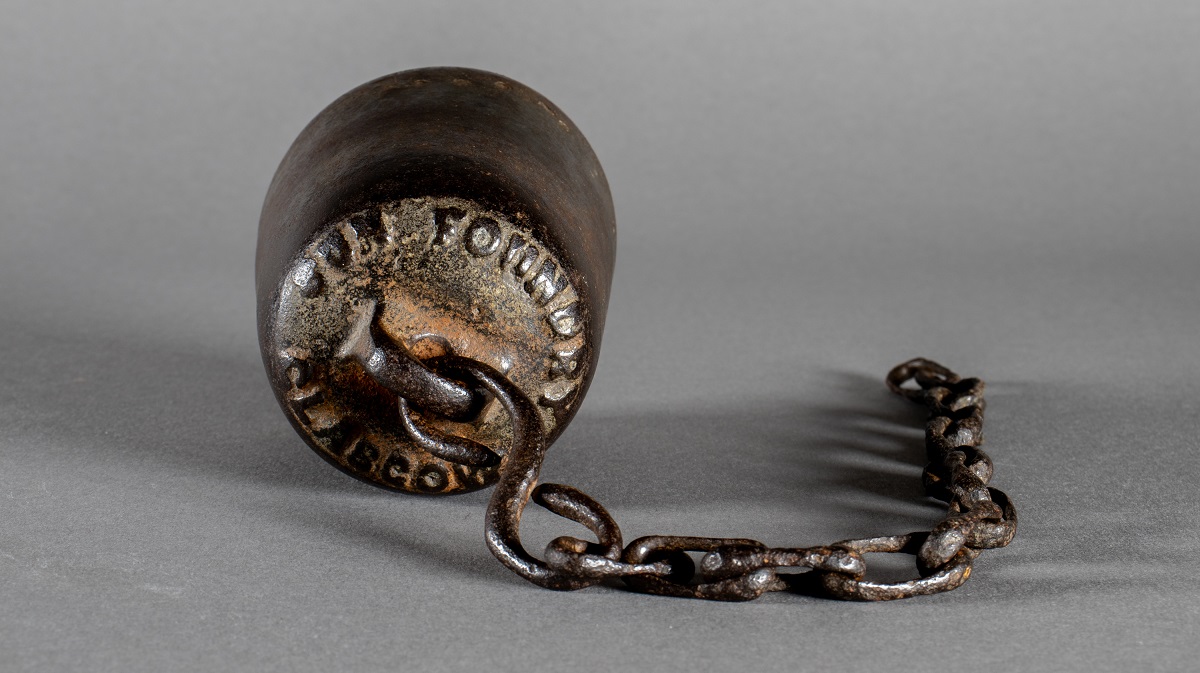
(378, 292)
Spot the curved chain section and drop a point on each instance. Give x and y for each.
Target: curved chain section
(979, 517)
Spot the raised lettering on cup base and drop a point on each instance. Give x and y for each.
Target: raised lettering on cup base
(415, 266)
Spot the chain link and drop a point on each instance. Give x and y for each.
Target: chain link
(958, 472)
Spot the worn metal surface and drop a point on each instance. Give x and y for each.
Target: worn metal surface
(432, 212)
(433, 266)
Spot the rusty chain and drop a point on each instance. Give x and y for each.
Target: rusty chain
(979, 516)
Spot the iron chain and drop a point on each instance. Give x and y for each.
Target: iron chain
(958, 472)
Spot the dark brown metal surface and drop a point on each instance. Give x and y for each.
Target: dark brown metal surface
(433, 268)
(432, 212)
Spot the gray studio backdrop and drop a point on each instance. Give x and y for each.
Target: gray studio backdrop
(807, 194)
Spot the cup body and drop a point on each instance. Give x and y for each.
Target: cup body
(457, 212)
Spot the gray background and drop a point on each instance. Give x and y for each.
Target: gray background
(808, 193)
